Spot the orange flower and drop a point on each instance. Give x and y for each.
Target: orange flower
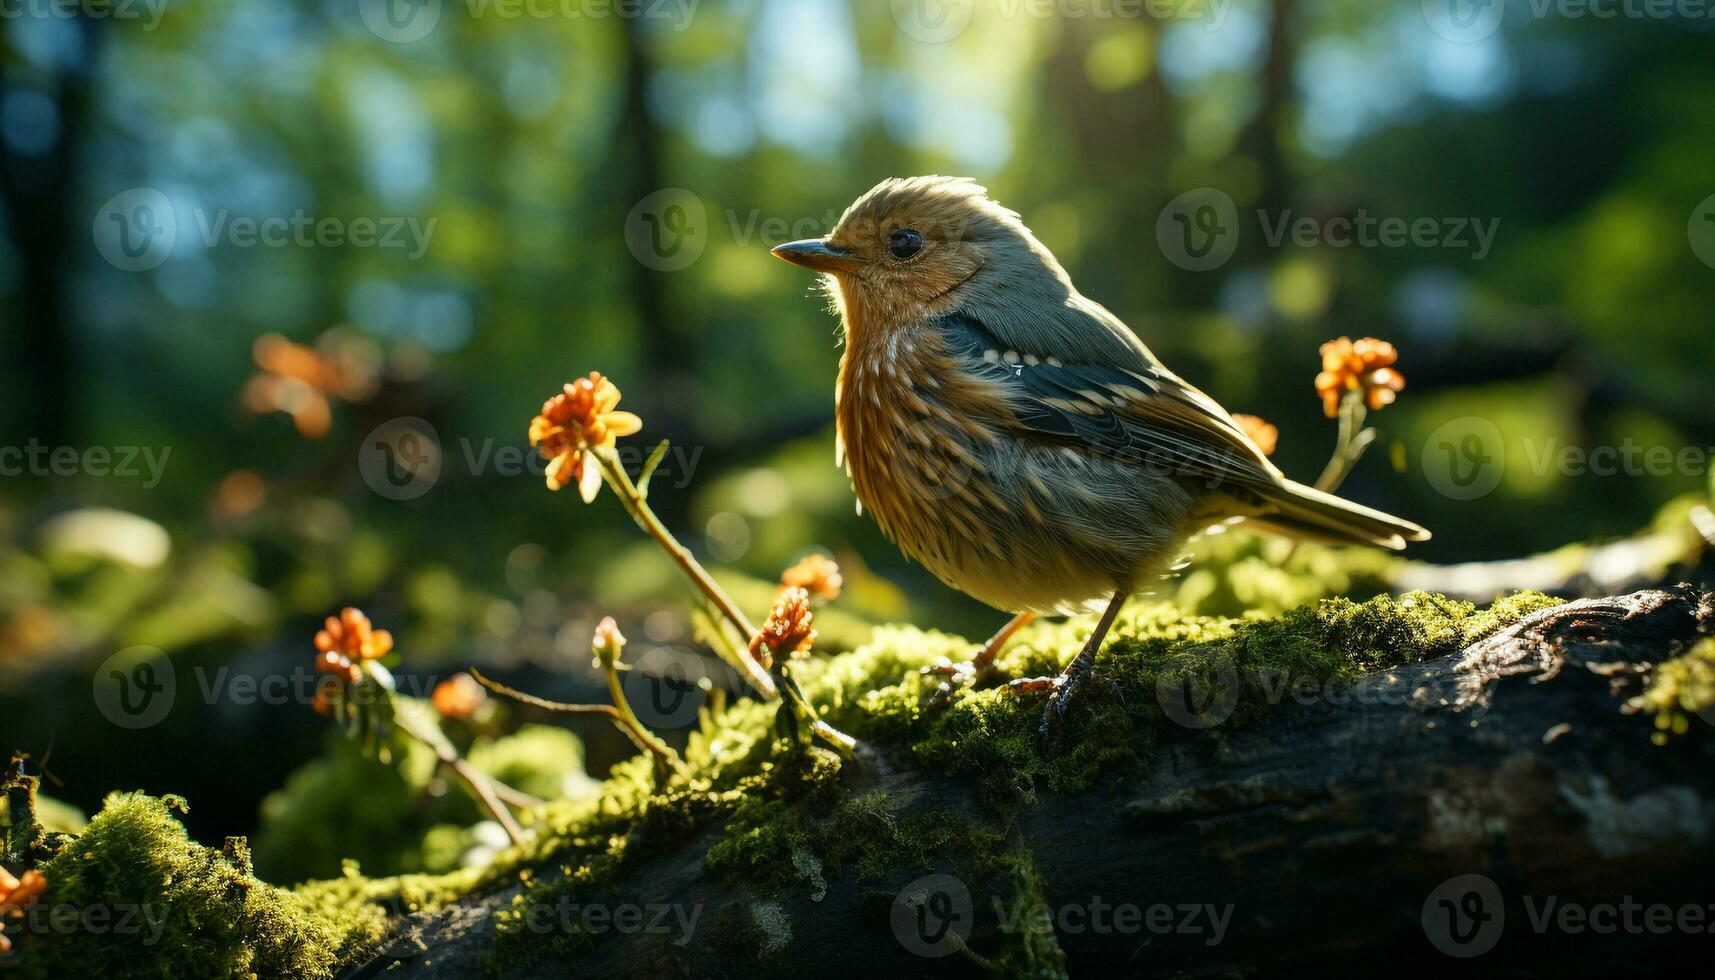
(298, 379)
(815, 574)
(581, 418)
(787, 632)
(458, 697)
(16, 894)
(343, 643)
(238, 493)
(1263, 433)
(1365, 366)
(350, 634)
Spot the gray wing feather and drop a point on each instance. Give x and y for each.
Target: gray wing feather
(1138, 412)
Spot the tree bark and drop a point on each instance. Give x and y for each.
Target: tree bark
(39, 201)
(1335, 835)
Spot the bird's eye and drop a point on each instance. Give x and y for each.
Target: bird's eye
(904, 243)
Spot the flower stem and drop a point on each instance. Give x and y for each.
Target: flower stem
(644, 738)
(478, 783)
(1349, 445)
(841, 742)
(633, 501)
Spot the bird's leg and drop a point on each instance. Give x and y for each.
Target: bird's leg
(979, 670)
(1081, 669)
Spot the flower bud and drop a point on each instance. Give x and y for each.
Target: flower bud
(607, 642)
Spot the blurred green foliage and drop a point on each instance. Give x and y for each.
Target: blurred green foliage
(404, 815)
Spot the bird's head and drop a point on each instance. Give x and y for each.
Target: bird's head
(911, 247)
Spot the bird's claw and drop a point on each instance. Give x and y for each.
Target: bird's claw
(1064, 688)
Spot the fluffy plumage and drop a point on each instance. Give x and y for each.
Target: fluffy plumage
(1013, 435)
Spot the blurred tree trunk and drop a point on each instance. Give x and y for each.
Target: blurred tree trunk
(666, 350)
(1262, 139)
(39, 194)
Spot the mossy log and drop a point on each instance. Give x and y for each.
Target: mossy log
(1335, 834)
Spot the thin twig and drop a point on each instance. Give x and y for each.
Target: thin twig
(478, 782)
(982, 962)
(558, 707)
(484, 789)
(515, 797)
(622, 717)
(629, 496)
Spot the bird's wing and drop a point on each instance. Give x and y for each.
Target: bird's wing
(1141, 412)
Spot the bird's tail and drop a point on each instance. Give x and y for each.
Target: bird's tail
(1307, 514)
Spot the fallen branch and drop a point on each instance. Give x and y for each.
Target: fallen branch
(1331, 836)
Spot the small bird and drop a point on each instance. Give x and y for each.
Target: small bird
(1015, 437)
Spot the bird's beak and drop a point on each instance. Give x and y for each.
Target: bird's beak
(818, 254)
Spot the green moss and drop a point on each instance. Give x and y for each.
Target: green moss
(584, 850)
(1678, 690)
(170, 907)
(1030, 948)
(772, 841)
(876, 695)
